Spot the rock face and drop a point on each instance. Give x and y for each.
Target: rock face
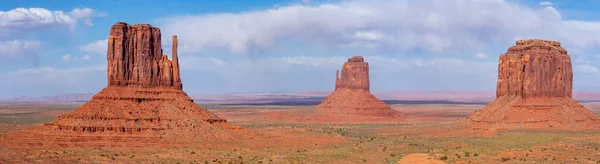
(535, 68)
(535, 81)
(135, 58)
(352, 94)
(143, 104)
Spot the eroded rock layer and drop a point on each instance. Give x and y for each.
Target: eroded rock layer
(352, 94)
(135, 57)
(143, 104)
(535, 81)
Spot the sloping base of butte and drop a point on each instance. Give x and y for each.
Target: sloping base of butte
(346, 101)
(514, 112)
(130, 117)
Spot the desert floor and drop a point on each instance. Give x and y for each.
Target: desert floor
(425, 135)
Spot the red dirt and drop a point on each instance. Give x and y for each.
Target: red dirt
(352, 93)
(534, 91)
(419, 158)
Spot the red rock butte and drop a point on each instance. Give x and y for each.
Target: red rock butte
(535, 81)
(143, 104)
(352, 93)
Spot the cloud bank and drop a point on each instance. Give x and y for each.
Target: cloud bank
(391, 26)
(23, 19)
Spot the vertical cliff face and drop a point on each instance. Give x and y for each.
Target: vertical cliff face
(135, 57)
(535, 81)
(535, 68)
(176, 75)
(355, 75)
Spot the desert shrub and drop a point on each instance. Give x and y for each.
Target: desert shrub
(475, 154)
(504, 159)
(444, 158)
(467, 154)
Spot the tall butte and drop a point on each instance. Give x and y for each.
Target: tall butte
(352, 93)
(535, 81)
(143, 104)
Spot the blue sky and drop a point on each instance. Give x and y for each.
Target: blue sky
(232, 46)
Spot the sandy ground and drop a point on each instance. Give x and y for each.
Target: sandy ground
(419, 158)
(304, 135)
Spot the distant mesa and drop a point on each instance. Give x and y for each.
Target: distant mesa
(143, 104)
(535, 81)
(352, 93)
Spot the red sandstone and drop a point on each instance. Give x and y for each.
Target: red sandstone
(352, 93)
(535, 81)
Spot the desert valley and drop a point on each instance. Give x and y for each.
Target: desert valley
(146, 112)
(144, 115)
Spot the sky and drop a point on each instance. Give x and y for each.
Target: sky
(231, 46)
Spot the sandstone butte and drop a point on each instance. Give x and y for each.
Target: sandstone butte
(535, 81)
(352, 93)
(143, 104)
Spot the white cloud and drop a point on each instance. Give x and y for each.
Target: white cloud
(68, 57)
(53, 80)
(434, 26)
(52, 71)
(480, 55)
(98, 47)
(586, 68)
(86, 14)
(546, 3)
(306, 73)
(20, 19)
(18, 48)
(311, 61)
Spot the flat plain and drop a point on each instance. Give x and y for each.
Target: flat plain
(426, 132)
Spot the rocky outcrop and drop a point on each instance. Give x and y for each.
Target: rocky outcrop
(355, 75)
(534, 90)
(143, 104)
(535, 68)
(352, 92)
(135, 57)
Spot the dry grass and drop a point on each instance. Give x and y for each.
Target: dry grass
(365, 144)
